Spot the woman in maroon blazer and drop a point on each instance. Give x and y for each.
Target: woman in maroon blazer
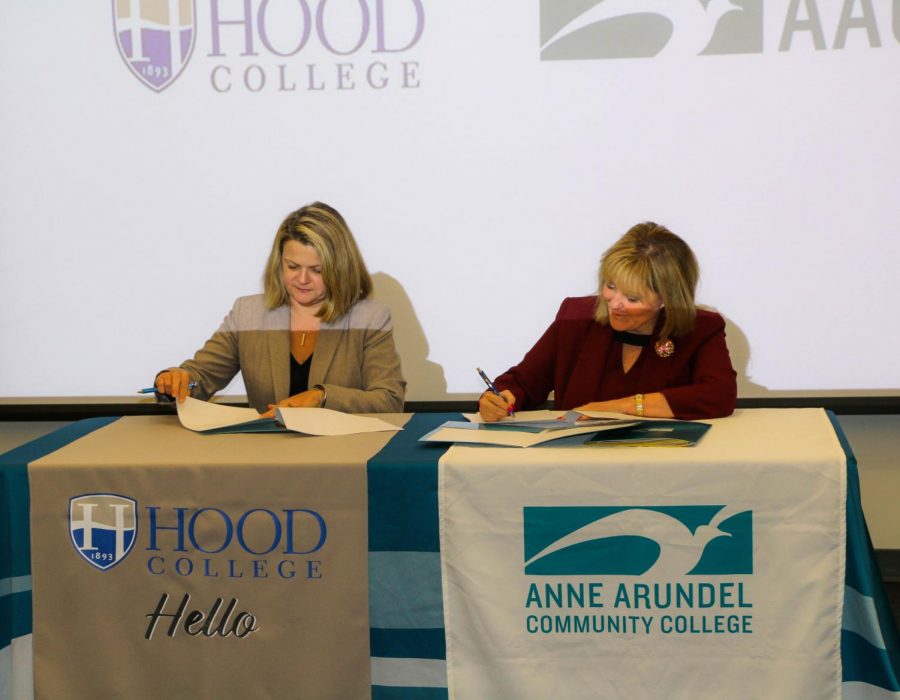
(639, 347)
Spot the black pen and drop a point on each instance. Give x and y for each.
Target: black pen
(493, 390)
(152, 389)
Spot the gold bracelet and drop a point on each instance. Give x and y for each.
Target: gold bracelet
(639, 404)
(324, 395)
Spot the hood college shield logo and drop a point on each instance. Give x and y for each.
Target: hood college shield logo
(103, 527)
(155, 38)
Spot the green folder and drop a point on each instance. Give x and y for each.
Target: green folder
(657, 433)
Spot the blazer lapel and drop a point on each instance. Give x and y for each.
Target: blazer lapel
(326, 348)
(584, 383)
(278, 338)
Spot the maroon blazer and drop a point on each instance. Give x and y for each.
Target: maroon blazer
(571, 359)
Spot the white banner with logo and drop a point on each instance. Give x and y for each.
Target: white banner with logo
(586, 572)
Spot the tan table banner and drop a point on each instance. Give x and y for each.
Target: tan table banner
(189, 559)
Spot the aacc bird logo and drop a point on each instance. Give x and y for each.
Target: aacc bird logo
(573, 29)
(656, 541)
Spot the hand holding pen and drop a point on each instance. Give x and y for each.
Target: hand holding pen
(174, 382)
(494, 405)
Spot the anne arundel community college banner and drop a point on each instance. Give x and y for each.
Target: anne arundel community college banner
(649, 573)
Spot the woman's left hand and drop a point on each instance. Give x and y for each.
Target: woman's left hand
(305, 399)
(615, 406)
(655, 406)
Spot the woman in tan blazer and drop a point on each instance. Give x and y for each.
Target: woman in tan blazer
(312, 339)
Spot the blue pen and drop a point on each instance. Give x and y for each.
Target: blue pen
(152, 389)
(493, 390)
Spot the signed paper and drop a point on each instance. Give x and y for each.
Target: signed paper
(205, 417)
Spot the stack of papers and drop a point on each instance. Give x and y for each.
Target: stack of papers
(211, 418)
(527, 429)
(530, 428)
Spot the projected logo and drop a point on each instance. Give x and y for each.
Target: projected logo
(595, 29)
(658, 541)
(103, 527)
(155, 38)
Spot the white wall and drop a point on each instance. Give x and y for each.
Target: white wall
(483, 174)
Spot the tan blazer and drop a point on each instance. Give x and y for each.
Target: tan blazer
(355, 358)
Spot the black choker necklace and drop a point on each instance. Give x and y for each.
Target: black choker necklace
(631, 338)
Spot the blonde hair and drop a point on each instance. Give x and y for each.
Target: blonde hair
(651, 257)
(343, 270)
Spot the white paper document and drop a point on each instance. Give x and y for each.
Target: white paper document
(547, 414)
(543, 414)
(206, 417)
(324, 421)
(528, 428)
(201, 416)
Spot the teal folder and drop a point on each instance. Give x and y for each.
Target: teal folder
(657, 433)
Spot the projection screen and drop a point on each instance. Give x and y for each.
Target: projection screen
(484, 154)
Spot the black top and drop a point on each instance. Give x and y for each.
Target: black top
(627, 338)
(299, 375)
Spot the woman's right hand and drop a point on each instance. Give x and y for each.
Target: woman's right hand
(492, 407)
(174, 382)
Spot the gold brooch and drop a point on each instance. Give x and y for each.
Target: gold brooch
(664, 347)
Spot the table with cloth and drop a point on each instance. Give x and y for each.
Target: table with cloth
(139, 559)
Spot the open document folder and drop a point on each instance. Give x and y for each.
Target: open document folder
(652, 433)
(528, 428)
(206, 417)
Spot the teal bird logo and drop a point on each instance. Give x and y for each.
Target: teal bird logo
(680, 547)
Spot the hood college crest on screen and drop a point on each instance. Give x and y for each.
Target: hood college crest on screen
(155, 38)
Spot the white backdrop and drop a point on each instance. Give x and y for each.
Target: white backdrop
(482, 175)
